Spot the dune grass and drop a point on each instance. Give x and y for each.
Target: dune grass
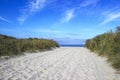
(107, 44)
(10, 46)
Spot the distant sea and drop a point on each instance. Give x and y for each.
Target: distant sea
(73, 45)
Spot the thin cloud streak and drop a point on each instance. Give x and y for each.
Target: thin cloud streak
(56, 32)
(4, 19)
(32, 7)
(86, 3)
(46, 31)
(110, 16)
(68, 15)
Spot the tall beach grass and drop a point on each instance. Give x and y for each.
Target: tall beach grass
(107, 44)
(10, 46)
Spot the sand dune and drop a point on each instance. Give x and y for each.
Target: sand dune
(65, 63)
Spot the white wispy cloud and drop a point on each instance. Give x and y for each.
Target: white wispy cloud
(35, 5)
(56, 33)
(67, 40)
(46, 31)
(68, 15)
(86, 3)
(110, 16)
(4, 19)
(32, 7)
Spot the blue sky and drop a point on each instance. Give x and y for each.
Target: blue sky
(67, 21)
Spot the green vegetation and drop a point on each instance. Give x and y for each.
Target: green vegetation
(10, 46)
(107, 44)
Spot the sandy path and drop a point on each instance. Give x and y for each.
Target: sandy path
(60, 64)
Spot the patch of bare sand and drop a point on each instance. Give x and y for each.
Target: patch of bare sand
(65, 63)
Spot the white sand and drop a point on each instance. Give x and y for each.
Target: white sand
(66, 63)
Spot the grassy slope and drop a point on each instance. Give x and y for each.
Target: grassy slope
(11, 46)
(107, 44)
